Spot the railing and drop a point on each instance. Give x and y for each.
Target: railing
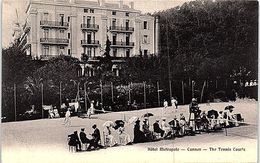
(121, 29)
(90, 26)
(90, 42)
(124, 44)
(54, 41)
(55, 24)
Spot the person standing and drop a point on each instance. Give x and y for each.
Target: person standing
(174, 103)
(91, 109)
(165, 106)
(67, 120)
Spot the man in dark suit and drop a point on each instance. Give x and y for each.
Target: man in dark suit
(157, 129)
(74, 141)
(83, 137)
(96, 138)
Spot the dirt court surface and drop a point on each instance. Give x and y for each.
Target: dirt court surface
(46, 140)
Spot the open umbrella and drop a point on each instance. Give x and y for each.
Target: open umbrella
(147, 115)
(229, 107)
(133, 119)
(211, 113)
(108, 124)
(118, 123)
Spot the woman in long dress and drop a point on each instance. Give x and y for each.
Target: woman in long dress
(109, 139)
(139, 136)
(124, 138)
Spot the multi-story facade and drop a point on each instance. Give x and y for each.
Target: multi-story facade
(76, 27)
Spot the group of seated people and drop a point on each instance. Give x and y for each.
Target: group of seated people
(76, 141)
(214, 120)
(95, 143)
(174, 128)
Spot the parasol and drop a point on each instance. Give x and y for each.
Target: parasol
(108, 124)
(133, 119)
(229, 107)
(211, 113)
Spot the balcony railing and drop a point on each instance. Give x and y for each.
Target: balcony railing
(58, 41)
(122, 44)
(90, 43)
(121, 29)
(93, 27)
(54, 24)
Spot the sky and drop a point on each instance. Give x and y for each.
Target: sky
(9, 12)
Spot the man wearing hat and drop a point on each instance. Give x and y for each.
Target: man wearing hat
(157, 129)
(74, 141)
(83, 136)
(96, 138)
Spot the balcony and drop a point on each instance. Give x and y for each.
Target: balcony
(90, 27)
(121, 29)
(54, 24)
(54, 41)
(90, 43)
(121, 44)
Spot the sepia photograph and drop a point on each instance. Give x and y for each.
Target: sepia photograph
(129, 81)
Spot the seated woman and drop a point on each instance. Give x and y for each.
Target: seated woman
(157, 129)
(183, 125)
(204, 121)
(175, 127)
(124, 138)
(167, 129)
(109, 139)
(139, 136)
(148, 134)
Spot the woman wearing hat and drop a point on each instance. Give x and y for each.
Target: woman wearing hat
(139, 136)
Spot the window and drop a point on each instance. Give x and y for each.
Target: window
(45, 50)
(84, 19)
(62, 19)
(68, 51)
(127, 14)
(45, 16)
(62, 50)
(145, 52)
(68, 35)
(91, 10)
(88, 21)
(113, 22)
(61, 33)
(85, 10)
(127, 24)
(114, 52)
(145, 39)
(46, 33)
(68, 19)
(145, 24)
(113, 12)
(127, 53)
(89, 52)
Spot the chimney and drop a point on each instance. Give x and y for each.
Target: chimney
(121, 4)
(132, 5)
(101, 2)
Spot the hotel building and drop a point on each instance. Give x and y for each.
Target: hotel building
(76, 27)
